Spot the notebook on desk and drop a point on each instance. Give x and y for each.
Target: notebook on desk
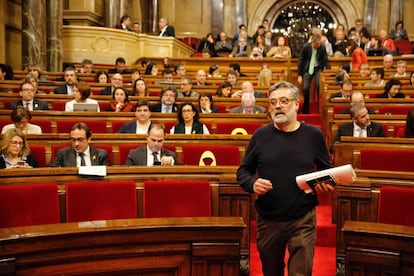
(85, 107)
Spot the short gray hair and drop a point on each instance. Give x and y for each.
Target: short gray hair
(284, 84)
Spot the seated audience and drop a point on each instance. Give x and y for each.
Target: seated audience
(346, 90)
(188, 121)
(165, 28)
(87, 67)
(399, 32)
(241, 49)
(116, 81)
(236, 67)
(265, 77)
(35, 82)
(364, 71)
(401, 69)
(341, 76)
(142, 122)
(208, 43)
(256, 54)
(269, 39)
(186, 85)
(281, 50)
(120, 101)
(205, 104)
(101, 77)
(224, 90)
(167, 77)
(388, 61)
(27, 92)
(6, 72)
(151, 69)
(153, 154)
(140, 88)
(261, 46)
(392, 90)
(15, 151)
(387, 42)
(20, 118)
(136, 28)
(214, 71)
(36, 72)
(201, 78)
(124, 23)
(135, 74)
(180, 70)
(412, 78)
(377, 78)
(81, 93)
(70, 78)
(356, 98)
(167, 63)
(408, 130)
(361, 126)
(120, 67)
(167, 104)
(223, 46)
(248, 106)
(247, 87)
(358, 55)
(80, 153)
(232, 78)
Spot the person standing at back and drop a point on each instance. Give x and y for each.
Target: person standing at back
(312, 60)
(276, 154)
(165, 29)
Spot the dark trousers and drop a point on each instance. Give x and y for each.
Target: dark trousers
(307, 80)
(298, 235)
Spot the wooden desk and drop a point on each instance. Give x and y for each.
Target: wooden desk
(165, 246)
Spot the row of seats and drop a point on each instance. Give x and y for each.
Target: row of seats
(35, 204)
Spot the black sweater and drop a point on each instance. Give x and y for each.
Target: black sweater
(279, 157)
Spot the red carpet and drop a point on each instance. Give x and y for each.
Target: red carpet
(325, 252)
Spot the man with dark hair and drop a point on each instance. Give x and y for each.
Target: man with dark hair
(70, 77)
(236, 67)
(168, 77)
(312, 60)
(377, 78)
(186, 85)
(153, 154)
(87, 66)
(167, 104)
(143, 121)
(80, 153)
(27, 92)
(124, 23)
(346, 90)
(120, 67)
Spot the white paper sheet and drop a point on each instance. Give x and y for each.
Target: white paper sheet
(92, 170)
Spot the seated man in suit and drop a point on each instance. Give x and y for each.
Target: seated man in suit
(346, 90)
(70, 79)
(120, 67)
(80, 153)
(27, 91)
(356, 98)
(361, 126)
(248, 105)
(247, 87)
(153, 154)
(143, 121)
(165, 29)
(167, 104)
(116, 81)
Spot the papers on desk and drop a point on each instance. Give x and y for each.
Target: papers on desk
(344, 173)
(92, 170)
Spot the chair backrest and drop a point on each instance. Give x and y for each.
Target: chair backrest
(124, 151)
(46, 125)
(237, 127)
(399, 131)
(177, 199)
(39, 152)
(390, 110)
(396, 206)
(97, 200)
(96, 126)
(25, 205)
(109, 149)
(387, 159)
(215, 155)
(116, 125)
(58, 106)
(404, 46)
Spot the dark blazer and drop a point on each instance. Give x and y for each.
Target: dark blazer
(213, 109)
(256, 110)
(106, 91)
(129, 127)
(336, 95)
(37, 105)
(31, 160)
(385, 95)
(169, 31)
(138, 157)
(61, 89)
(157, 107)
(347, 129)
(348, 111)
(114, 70)
(66, 157)
(119, 26)
(305, 57)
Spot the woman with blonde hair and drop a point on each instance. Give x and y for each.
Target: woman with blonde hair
(15, 151)
(265, 77)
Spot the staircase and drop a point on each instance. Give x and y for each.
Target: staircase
(325, 251)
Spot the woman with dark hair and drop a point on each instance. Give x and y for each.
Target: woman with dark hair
(188, 119)
(151, 69)
(120, 101)
(412, 78)
(408, 130)
(101, 77)
(399, 32)
(205, 104)
(392, 90)
(81, 93)
(208, 43)
(224, 90)
(6, 72)
(21, 116)
(140, 88)
(15, 151)
(358, 55)
(214, 71)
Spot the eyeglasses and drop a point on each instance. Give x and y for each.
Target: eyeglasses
(282, 101)
(27, 89)
(80, 140)
(15, 143)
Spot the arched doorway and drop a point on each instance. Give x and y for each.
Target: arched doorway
(340, 11)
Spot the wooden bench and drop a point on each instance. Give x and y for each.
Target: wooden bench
(164, 246)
